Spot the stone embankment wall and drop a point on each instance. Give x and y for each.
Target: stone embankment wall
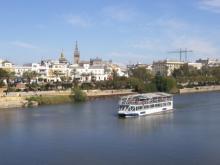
(38, 93)
(18, 99)
(100, 93)
(89, 93)
(200, 89)
(12, 102)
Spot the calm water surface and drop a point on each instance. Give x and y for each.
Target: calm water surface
(91, 133)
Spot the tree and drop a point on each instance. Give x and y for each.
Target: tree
(79, 95)
(165, 84)
(137, 84)
(170, 85)
(142, 74)
(159, 83)
(30, 75)
(3, 76)
(7, 76)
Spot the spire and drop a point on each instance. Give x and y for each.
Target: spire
(76, 48)
(62, 55)
(62, 58)
(76, 51)
(76, 55)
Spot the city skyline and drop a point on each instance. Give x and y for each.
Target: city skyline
(125, 31)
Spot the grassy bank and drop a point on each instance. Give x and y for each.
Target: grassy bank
(77, 96)
(47, 100)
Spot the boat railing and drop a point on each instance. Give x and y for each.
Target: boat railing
(133, 102)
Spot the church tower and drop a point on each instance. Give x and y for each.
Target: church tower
(76, 55)
(62, 59)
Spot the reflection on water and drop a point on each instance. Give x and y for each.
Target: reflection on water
(145, 124)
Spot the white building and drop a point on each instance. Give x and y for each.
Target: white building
(7, 65)
(166, 67)
(196, 65)
(53, 70)
(88, 73)
(209, 62)
(19, 70)
(1, 63)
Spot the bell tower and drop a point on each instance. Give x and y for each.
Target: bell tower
(76, 57)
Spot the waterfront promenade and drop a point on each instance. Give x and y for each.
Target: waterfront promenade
(200, 89)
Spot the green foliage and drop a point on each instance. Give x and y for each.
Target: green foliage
(1, 83)
(141, 73)
(3, 73)
(38, 99)
(47, 100)
(79, 95)
(165, 84)
(136, 84)
(29, 75)
(171, 85)
(86, 86)
(193, 77)
(151, 87)
(33, 87)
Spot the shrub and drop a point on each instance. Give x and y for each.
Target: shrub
(79, 95)
(47, 100)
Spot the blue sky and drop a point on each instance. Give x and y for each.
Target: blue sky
(126, 31)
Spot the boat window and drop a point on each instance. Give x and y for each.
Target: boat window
(139, 107)
(129, 108)
(132, 108)
(169, 98)
(122, 107)
(146, 106)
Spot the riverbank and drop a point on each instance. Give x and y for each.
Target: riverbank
(25, 99)
(200, 89)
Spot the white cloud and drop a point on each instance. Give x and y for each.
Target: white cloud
(165, 27)
(23, 45)
(148, 44)
(201, 47)
(118, 13)
(80, 21)
(211, 5)
(167, 34)
(129, 57)
(160, 33)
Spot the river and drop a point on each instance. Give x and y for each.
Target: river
(91, 133)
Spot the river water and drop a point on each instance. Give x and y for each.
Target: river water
(91, 133)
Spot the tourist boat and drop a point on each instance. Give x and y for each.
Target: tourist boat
(145, 104)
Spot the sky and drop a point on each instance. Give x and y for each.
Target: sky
(125, 31)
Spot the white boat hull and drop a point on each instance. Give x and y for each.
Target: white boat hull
(144, 112)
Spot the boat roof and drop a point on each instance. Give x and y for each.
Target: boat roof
(147, 95)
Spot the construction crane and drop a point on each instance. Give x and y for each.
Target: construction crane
(181, 52)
